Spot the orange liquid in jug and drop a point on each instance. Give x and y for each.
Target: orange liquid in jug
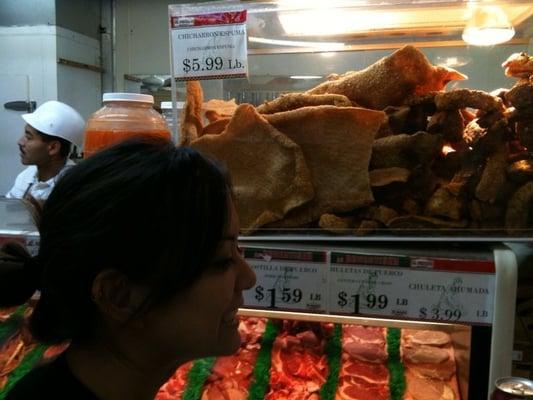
(98, 140)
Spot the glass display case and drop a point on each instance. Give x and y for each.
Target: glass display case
(357, 134)
(359, 120)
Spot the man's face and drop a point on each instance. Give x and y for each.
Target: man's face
(33, 149)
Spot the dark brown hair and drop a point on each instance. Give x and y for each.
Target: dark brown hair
(143, 207)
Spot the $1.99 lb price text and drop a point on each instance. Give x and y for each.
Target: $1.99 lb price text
(373, 303)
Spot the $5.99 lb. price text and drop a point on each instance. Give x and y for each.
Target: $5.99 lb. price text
(210, 64)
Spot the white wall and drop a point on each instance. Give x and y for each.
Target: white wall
(142, 45)
(24, 51)
(81, 88)
(33, 51)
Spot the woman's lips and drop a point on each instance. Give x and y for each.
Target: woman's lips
(231, 316)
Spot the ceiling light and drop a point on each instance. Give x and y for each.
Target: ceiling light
(306, 76)
(488, 26)
(323, 46)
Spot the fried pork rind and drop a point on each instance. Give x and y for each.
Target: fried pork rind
(335, 224)
(518, 65)
(521, 96)
(520, 170)
(524, 129)
(191, 125)
(336, 143)
(367, 227)
(216, 127)
(473, 132)
(463, 98)
(292, 101)
(420, 223)
(405, 151)
(385, 176)
(269, 173)
(379, 213)
(390, 80)
(444, 203)
(493, 177)
(519, 209)
(485, 214)
(215, 109)
(449, 124)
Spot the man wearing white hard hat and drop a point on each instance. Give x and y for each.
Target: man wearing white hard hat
(45, 146)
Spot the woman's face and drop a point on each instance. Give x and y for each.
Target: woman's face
(202, 321)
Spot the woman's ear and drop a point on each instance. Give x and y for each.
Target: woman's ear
(116, 296)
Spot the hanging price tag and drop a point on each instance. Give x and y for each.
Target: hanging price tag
(209, 46)
(443, 290)
(287, 279)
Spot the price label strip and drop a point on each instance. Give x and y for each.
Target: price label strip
(209, 46)
(400, 287)
(287, 279)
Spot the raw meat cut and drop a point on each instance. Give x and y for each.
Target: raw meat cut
(175, 386)
(433, 338)
(443, 371)
(369, 352)
(429, 362)
(230, 376)
(425, 354)
(369, 372)
(364, 374)
(428, 389)
(351, 388)
(299, 366)
(366, 334)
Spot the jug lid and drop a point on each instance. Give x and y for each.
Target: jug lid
(137, 97)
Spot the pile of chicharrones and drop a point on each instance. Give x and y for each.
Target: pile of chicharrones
(381, 150)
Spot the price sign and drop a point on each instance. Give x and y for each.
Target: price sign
(209, 46)
(443, 290)
(32, 244)
(287, 279)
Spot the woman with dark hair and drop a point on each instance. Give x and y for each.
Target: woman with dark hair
(138, 267)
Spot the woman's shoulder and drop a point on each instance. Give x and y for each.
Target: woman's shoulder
(51, 380)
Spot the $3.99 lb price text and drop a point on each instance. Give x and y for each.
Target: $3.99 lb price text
(210, 64)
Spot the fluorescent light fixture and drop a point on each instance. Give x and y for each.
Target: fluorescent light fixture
(316, 22)
(488, 26)
(306, 77)
(326, 46)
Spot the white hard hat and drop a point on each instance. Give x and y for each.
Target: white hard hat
(57, 119)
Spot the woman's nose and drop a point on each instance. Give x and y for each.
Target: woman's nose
(247, 276)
